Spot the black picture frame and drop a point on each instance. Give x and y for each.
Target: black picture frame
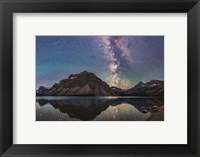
(8, 7)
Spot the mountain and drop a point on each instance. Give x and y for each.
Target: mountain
(88, 84)
(151, 88)
(42, 91)
(118, 91)
(81, 84)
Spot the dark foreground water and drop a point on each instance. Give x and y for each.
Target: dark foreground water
(99, 109)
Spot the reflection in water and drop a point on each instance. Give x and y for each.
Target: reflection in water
(99, 109)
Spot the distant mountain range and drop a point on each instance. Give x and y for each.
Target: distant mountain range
(42, 91)
(151, 88)
(88, 84)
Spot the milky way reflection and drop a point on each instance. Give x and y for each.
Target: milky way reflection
(99, 109)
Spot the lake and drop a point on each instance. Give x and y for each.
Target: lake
(79, 108)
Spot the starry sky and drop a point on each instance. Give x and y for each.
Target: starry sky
(121, 61)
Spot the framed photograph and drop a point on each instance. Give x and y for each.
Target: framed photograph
(105, 78)
(103, 85)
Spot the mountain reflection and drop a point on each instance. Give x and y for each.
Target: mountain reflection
(99, 109)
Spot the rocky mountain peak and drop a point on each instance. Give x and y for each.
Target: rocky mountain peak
(83, 83)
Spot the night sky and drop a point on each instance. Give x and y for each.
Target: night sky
(121, 61)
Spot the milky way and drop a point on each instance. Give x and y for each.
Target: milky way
(121, 61)
(113, 45)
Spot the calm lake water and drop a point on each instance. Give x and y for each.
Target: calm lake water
(99, 108)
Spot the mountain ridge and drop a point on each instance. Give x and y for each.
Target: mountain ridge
(81, 84)
(88, 84)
